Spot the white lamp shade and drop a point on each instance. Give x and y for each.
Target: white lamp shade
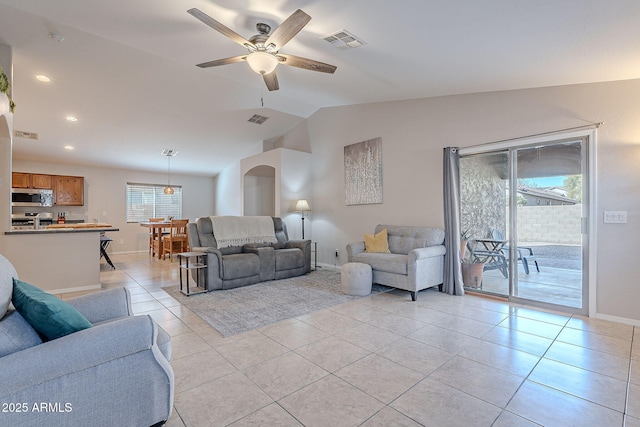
(262, 62)
(302, 206)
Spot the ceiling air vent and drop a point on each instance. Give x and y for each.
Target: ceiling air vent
(26, 135)
(257, 119)
(343, 39)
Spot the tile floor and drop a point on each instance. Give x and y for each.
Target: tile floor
(385, 361)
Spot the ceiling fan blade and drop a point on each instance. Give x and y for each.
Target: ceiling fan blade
(307, 64)
(223, 61)
(271, 80)
(288, 29)
(197, 13)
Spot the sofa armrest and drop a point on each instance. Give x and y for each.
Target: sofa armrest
(354, 249)
(104, 305)
(77, 352)
(428, 252)
(300, 244)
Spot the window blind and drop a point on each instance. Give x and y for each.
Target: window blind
(146, 201)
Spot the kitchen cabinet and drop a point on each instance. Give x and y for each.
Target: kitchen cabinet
(41, 181)
(68, 190)
(20, 180)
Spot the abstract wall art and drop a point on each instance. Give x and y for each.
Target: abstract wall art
(363, 172)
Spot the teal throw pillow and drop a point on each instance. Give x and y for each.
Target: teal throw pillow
(46, 313)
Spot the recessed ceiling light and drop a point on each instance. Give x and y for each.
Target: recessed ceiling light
(43, 78)
(72, 118)
(69, 147)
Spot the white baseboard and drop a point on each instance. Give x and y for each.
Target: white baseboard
(329, 266)
(617, 319)
(71, 290)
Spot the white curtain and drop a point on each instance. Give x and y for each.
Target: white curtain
(452, 270)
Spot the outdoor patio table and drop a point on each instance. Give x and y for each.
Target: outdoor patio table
(492, 255)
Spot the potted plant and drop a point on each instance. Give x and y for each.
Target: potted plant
(471, 268)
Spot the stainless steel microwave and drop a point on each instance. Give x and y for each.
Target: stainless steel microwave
(31, 197)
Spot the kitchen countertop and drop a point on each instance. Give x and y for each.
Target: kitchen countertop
(67, 228)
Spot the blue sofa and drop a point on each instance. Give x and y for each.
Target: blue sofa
(115, 373)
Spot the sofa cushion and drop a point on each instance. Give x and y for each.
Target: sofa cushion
(236, 266)
(391, 263)
(377, 243)
(16, 334)
(48, 314)
(288, 259)
(403, 239)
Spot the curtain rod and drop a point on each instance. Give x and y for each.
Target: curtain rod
(596, 125)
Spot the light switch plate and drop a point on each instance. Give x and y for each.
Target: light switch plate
(615, 217)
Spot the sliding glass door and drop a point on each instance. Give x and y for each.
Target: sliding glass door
(524, 209)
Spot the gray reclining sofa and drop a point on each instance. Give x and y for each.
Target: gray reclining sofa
(415, 261)
(235, 266)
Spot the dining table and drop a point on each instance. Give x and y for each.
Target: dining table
(156, 230)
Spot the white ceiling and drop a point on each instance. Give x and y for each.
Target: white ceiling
(126, 68)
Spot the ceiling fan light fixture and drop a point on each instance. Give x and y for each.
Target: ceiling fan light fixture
(262, 62)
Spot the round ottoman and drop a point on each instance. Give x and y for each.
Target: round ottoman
(356, 279)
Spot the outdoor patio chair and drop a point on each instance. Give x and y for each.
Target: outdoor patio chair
(524, 253)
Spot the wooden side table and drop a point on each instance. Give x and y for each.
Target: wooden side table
(198, 265)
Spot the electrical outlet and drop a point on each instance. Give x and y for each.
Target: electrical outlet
(337, 254)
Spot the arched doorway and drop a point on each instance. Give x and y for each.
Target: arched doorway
(260, 191)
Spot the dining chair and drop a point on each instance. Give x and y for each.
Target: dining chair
(524, 254)
(155, 238)
(176, 241)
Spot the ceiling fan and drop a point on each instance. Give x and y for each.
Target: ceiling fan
(264, 55)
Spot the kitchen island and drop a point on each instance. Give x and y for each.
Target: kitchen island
(61, 259)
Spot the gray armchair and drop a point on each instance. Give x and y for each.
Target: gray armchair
(116, 373)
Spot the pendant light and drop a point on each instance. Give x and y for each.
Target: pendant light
(168, 190)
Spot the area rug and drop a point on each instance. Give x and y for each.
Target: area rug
(237, 310)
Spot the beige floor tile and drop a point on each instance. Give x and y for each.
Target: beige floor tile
(635, 350)
(359, 311)
(542, 315)
(295, 334)
(390, 379)
(220, 402)
(592, 360)
(633, 401)
(634, 377)
(174, 420)
(501, 357)
(432, 403)
(196, 369)
(530, 326)
(482, 315)
(444, 339)
(551, 408)
(330, 402)
(518, 340)
(388, 417)
(174, 327)
(329, 321)
(415, 355)
(272, 415)
(481, 381)
(146, 306)
(250, 350)
(588, 385)
(369, 337)
(397, 324)
(630, 421)
(602, 327)
(594, 341)
(186, 344)
(467, 326)
(284, 374)
(491, 304)
(332, 353)
(507, 419)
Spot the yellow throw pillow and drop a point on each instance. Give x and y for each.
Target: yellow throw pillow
(377, 243)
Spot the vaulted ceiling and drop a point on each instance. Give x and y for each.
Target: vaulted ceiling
(126, 68)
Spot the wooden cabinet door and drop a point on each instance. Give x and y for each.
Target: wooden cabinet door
(69, 190)
(41, 181)
(20, 180)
